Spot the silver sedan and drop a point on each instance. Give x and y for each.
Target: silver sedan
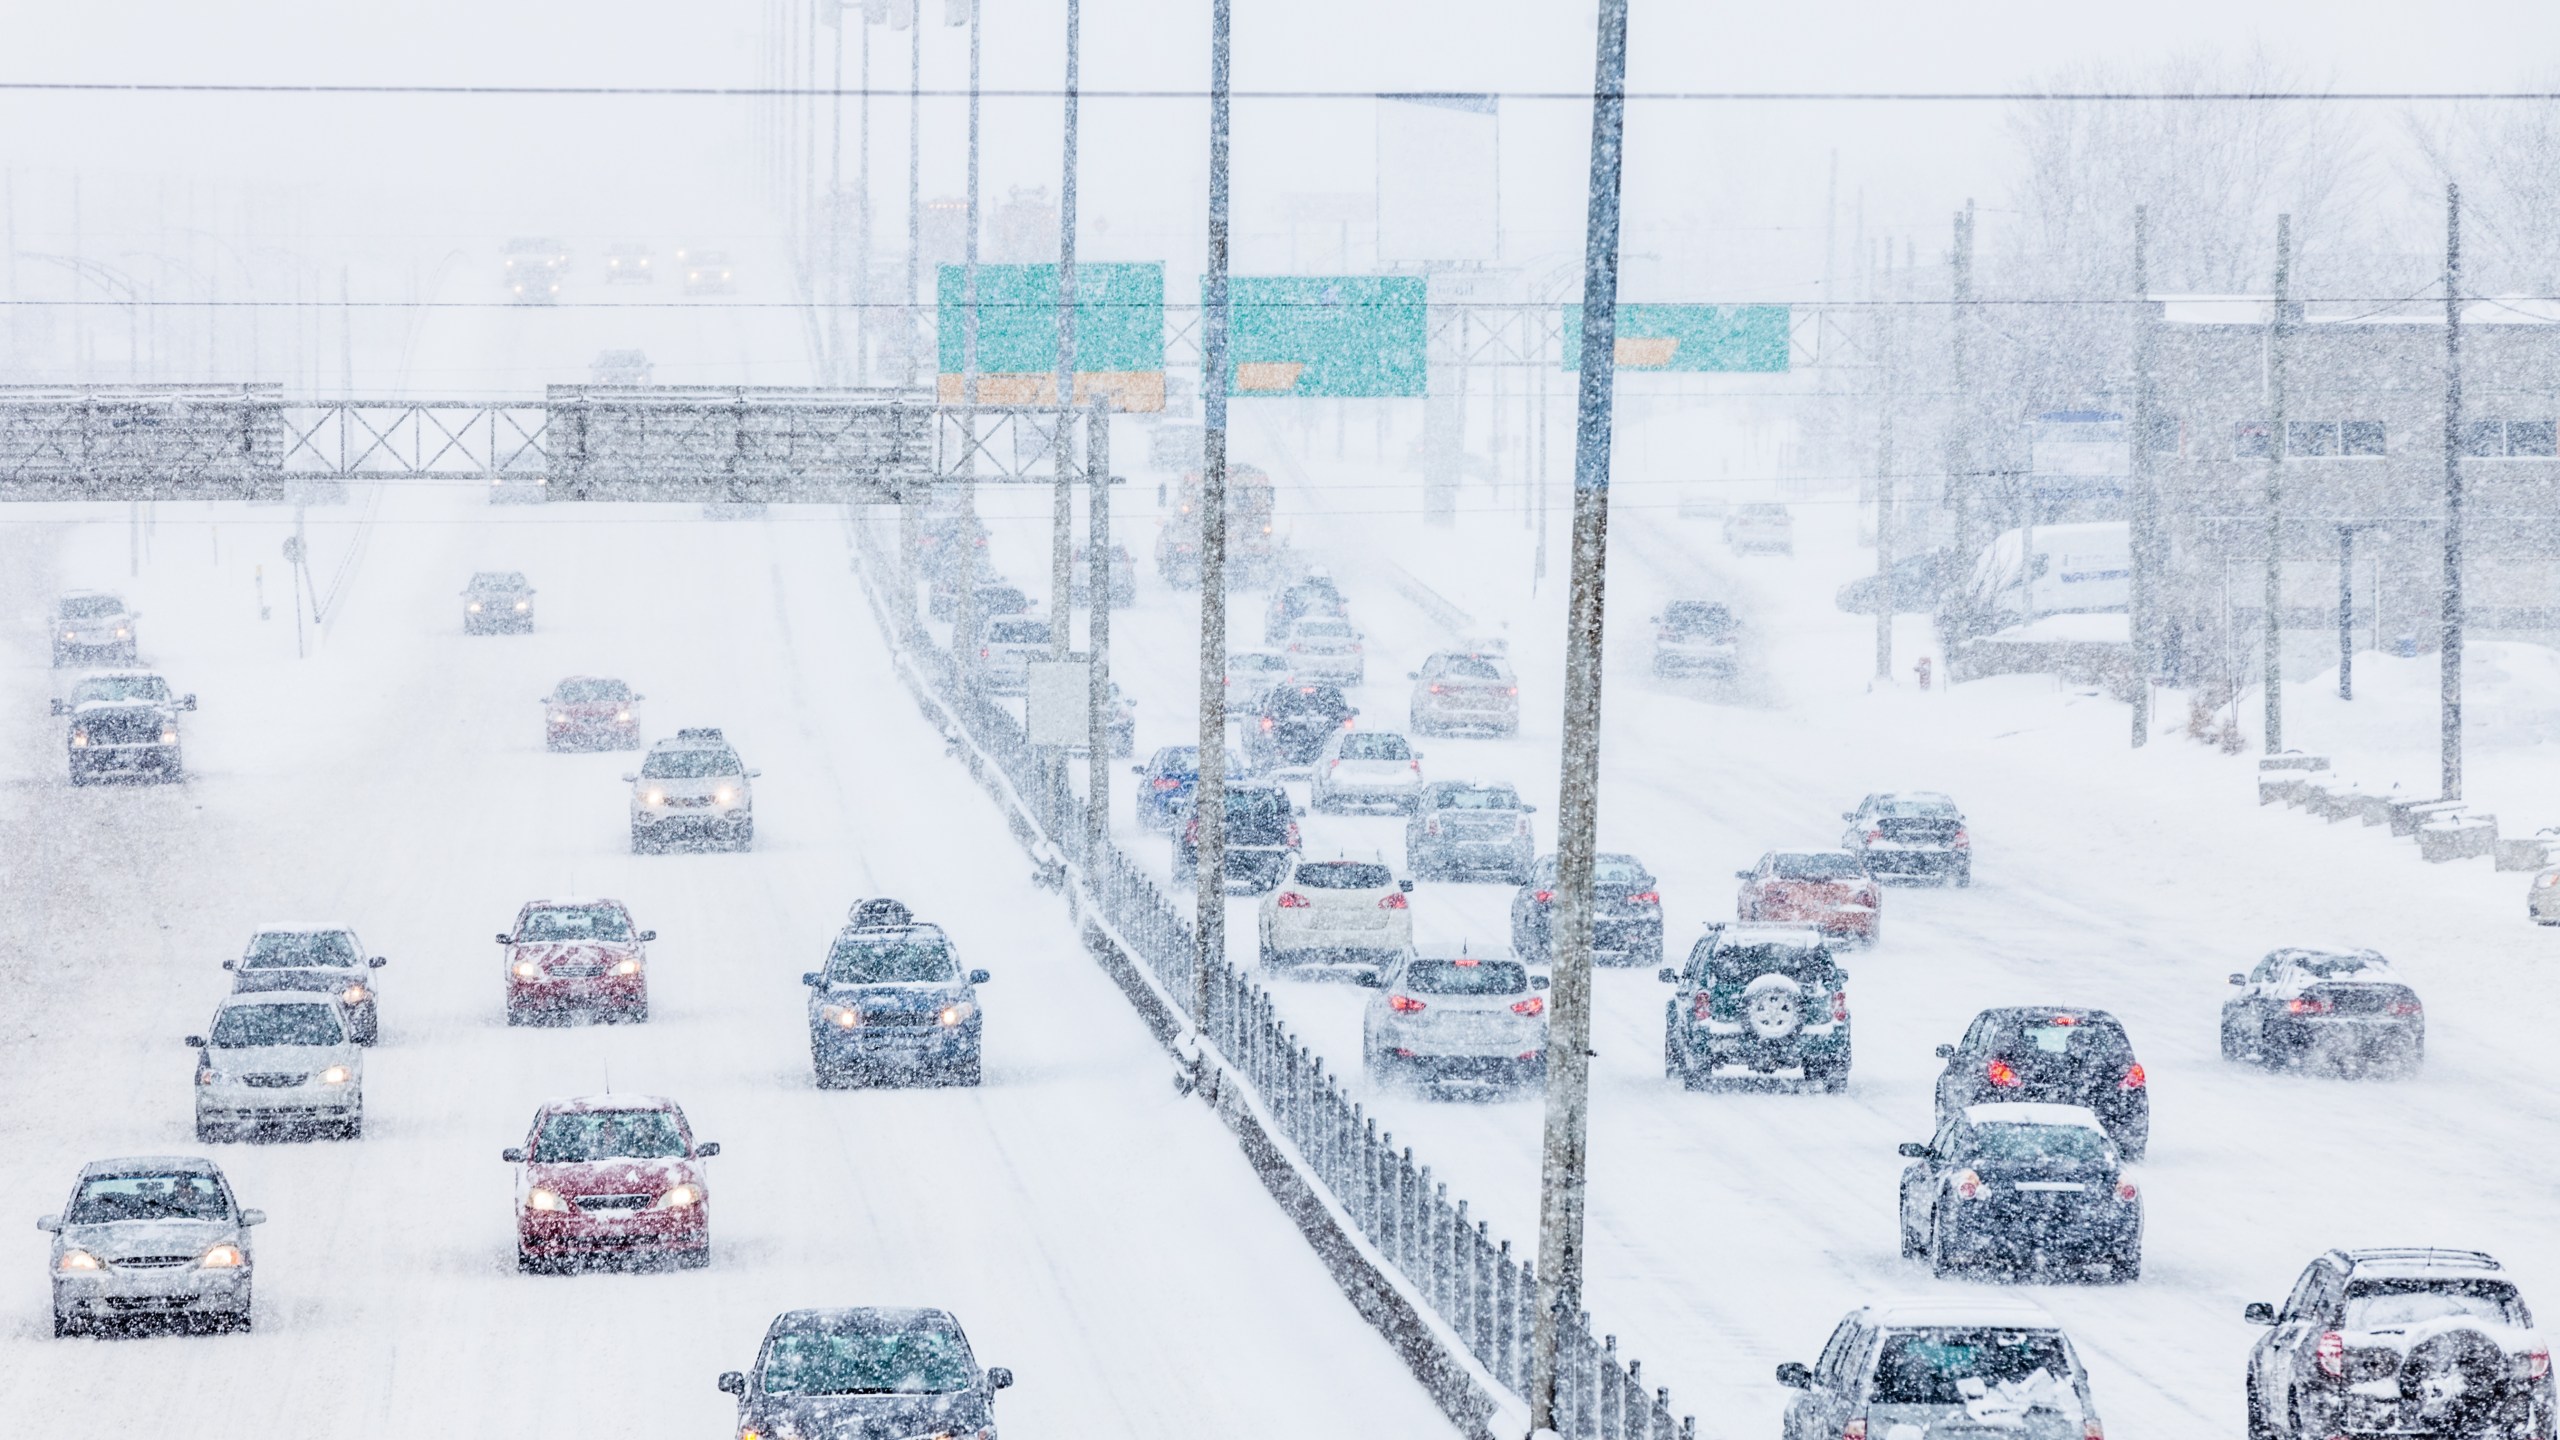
(150, 1238)
(1455, 1013)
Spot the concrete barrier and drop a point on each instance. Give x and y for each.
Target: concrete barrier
(2291, 760)
(2374, 808)
(2528, 852)
(2408, 815)
(2462, 836)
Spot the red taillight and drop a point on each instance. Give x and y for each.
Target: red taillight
(1167, 782)
(1698, 1006)
(2133, 1079)
(1968, 1185)
(1414, 765)
(2406, 1007)
(1292, 900)
(2003, 1074)
(1839, 1006)
(2125, 1190)
(2090, 1429)
(1514, 690)
(1334, 764)
(2332, 1355)
(1393, 900)
(2306, 1005)
(1647, 897)
(1854, 1430)
(1435, 689)
(1295, 647)
(1874, 835)
(1293, 834)
(1543, 896)
(2534, 1363)
(982, 652)
(1965, 842)
(1534, 1005)
(1266, 722)
(1404, 1005)
(1191, 831)
(2064, 1020)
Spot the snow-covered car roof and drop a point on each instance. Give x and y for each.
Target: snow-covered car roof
(277, 997)
(150, 1165)
(1930, 1310)
(1442, 950)
(1804, 937)
(2033, 1112)
(579, 1103)
(2419, 1260)
(2370, 963)
(572, 902)
(302, 927)
(89, 595)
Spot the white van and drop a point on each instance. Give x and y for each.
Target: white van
(2076, 569)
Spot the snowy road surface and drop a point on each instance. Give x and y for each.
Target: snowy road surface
(1094, 1231)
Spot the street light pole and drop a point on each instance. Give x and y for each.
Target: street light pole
(964, 625)
(2274, 602)
(911, 339)
(2449, 643)
(1567, 1140)
(1063, 499)
(1209, 808)
(862, 240)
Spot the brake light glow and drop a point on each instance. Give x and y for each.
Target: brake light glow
(1647, 897)
(1292, 900)
(1167, 782)
(2406, 1007)
(2003, 1074)
(2306, 1005)
(2534, 1363)
(1855, 1429)
(1698, 1006)
(2133, 1079)
(983, 652)
(1466, 964)
(1293, 834)
(1392, 900)
(1839, 1007)
(1534, 1005)
(1404, 1005)
(1414, 765)
(2331, 1352)
(1965, 842)
(1874, 835)
(1968, 1185)
(2090, 1429)
(2064, 1020)
(1543, 896)
(1266, 722)
(1514, 690)
(2125, 1190)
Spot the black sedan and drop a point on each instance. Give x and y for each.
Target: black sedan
(2346, 1007)
(1291, 723)
(1626, 912)
(2022, 1186)
(2053, 1054)
(1911, 833)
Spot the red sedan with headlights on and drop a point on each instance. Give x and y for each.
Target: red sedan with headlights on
(611, 1177)
(1829, 889)
(569, 957)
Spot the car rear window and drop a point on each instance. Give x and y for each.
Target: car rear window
(1697, 615)
(1930, 1367)
(1257, 804)
(575, 922)
(1019, 632)
(242, 1027)
(1305, 700)
(1619, 870)
(2342, 967)
(1819, 865)
(584, 691)
(1740, 964)
(879, 960)
(584, 1135)
(90, 607)
(1325, 629)
(690, 763)
(1375, 747)
(1486, 798)
(857, 1362)
(2399, 1304)
(2062, 1037)
(1903, 807)
(1467, 976)
(1467, 667)
(111, 1198)
(2032, 1144)
(1344, 875)
(1252, 660)
(294, 949)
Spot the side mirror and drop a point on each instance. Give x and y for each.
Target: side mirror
(1355, 709)
(1405, 885)
(752, 774)
(1741, 874)
(636, 699)
(195, 1042)
(61, 709)
(1795, 1376)
(1138, 770)
(1528, 809)
(2239, 979)
(227, 964)
(512, 1155)
(1848, 814)
(999, 1378)
(1914, 1150)
(1667, 975)
(189, 703)
(505, 939)
(1539, 982)
(252, 1217)
(706, 1150)
(812, 979)
(1417, 755)
(1297, 809)
(733, 1382)
(49, 1223)
(1370, 980)
(980, 977)
(1413, 674)
(648, 935)
(377, 962)
(1944, 1052)
(2258, 1312)
(630, 779)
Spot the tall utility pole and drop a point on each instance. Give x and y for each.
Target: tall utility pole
(833, 289)
(862, 238)
(910, 338)
(1062, 506)
(2274, 624)
(1890, 361)
(2144, 622)
(1567, 1141)
(964, 621)
(1097, 545)
(1209, 925)
(2449, 642)
(1959, 442)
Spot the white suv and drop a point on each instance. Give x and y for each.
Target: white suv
(89, 624)
(1345, 911)
(692, 789)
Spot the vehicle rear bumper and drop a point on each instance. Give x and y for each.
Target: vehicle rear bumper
(1517, 1068)
(1916, 860)
(1815, 1050)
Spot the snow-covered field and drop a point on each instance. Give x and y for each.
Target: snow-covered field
(1095, 1232)
(1729, 1231)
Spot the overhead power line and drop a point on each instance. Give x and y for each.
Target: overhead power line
(801, 92)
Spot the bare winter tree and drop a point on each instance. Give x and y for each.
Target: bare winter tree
(2507, 156)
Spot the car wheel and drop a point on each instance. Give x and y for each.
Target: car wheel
(2231, 1046)
(65, 1326)
(2125, 1269)
(1942, 1255)
(351, 1129)
(639, 841)
(746, 836)
(2256, 1413)
(635, 1014)
(1964, 877)
(208, 1133)
(694, 1259)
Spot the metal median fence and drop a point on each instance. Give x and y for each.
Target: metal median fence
(1483, 1296)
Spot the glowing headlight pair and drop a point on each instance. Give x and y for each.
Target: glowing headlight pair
(225, 1256)
(336, 1075)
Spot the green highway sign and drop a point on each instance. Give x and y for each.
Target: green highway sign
(1328, 335)
(1747, 338)
(1119, 334)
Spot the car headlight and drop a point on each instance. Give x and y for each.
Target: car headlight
(355, 994)
(725, 795)
(958, 1012)
(520, 604)
(557, 718)
(526, 970)
(682, 1197)
(622, 715)
(225, 1256)
(205, 1075)
(79, 738)
(2547, 881)
(475, 607)
(842, 1016)
(336, 1075)
(542, 1197)
(168, 734)
(77, 1260)
(120, 632)
(70, 634)
(628, 967)
(654, 797)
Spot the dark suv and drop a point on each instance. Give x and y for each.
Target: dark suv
(2043, 1052)
(2347, 1007)
(1626, 912)
(867, 1370)
(1911, 832)
(1758, 999)
(1292, 722)
(2403, 1343)
(1262, 837)
(892, 1002)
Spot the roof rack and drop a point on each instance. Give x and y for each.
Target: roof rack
(2427, 1254)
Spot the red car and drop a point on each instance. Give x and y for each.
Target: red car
(1829, 889)
(611, 1177)
(591, 712)
(570, 956)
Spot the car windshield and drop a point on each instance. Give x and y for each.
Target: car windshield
(120, 687)
(1762, 511)
(1344, 875)
(1466, 667)
(1819, 866)
(1489, 798)
(90, 607)
(608, 1135)
(1257, 660)
(586, 691)
(1804, 964)
(2031, 1144)
(293, 949)
(575, 922)
(1018, 632)
(1467, 976)
(1619, 870)
(1929, 1367)
(855, 1362)
(689, 763)
(242, 1027)
(2399, 1304)
(1257, 804)
(1375, 747)
(498, 580)
(110, 1198)
(890, 960)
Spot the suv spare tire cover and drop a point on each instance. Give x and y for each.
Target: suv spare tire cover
(1773, 1006)
(2456, 1378)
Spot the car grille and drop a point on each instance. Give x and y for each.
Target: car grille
(688, 801)
(151, 1262)
(615, 1202)
(576, 971)
(272, 1082)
